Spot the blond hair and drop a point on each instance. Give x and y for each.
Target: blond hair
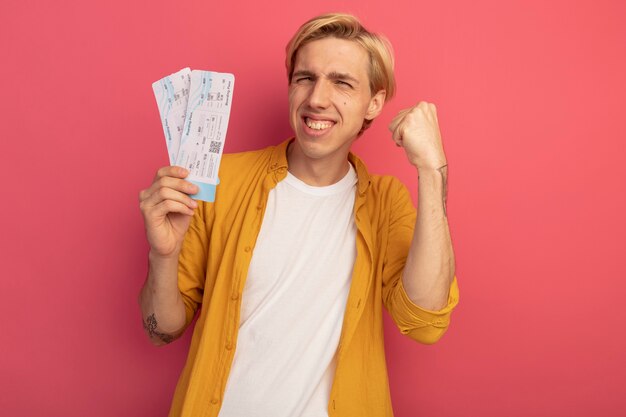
(345, 26)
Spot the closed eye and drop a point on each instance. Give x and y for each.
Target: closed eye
(301, 79)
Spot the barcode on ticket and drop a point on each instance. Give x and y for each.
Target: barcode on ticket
(215, 147)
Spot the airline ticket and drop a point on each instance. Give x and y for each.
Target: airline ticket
(172, 94)
(199, 143)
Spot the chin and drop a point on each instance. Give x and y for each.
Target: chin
(311, 147)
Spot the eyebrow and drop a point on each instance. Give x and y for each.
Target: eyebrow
(342, 76)
(334, 75)
(301, 73)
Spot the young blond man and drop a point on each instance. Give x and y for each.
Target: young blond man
(291, 265)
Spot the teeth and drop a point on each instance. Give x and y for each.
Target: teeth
(318, 125)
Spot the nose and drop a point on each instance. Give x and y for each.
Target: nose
(319, 96)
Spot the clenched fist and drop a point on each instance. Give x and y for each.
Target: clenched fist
(416, 129)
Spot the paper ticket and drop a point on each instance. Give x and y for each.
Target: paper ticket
(172, 94)
(204, 132)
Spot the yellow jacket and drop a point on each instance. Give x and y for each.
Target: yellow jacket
(213, 267)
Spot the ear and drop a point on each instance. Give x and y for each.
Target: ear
(376, 105)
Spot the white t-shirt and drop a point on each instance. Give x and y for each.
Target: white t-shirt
(294, 302)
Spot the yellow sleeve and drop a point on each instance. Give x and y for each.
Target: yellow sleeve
(425, 326)
(192, 262)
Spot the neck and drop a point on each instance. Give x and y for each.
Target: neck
(316, 172)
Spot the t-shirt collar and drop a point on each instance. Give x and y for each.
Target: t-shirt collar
(278, 160)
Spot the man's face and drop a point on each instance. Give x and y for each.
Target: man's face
(329, 97)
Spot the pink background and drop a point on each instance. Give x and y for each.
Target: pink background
(531, 98)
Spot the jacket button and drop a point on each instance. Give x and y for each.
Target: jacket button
(214, 400)
(229, 346)
(234, 296)
(247, 248)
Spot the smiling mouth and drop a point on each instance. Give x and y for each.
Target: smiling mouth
(318, 124)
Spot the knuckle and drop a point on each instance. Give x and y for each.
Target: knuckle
(144, 208)
(173, 205)
(162, 192)
(161, 182)
(169, 205)
(183, 185)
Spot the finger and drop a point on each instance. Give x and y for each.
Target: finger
(173, 183)
(165, 194)
(397, 133)
(170, 206)
(171, 171)
(398, 119)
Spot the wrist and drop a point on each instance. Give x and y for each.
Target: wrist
(435, 167)
(156, 258)
(162, 273)
(439, 172)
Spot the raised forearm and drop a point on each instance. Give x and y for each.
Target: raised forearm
(162, 307)
(430, 267)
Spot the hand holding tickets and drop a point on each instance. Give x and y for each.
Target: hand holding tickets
(195, 109)
(167, 210)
